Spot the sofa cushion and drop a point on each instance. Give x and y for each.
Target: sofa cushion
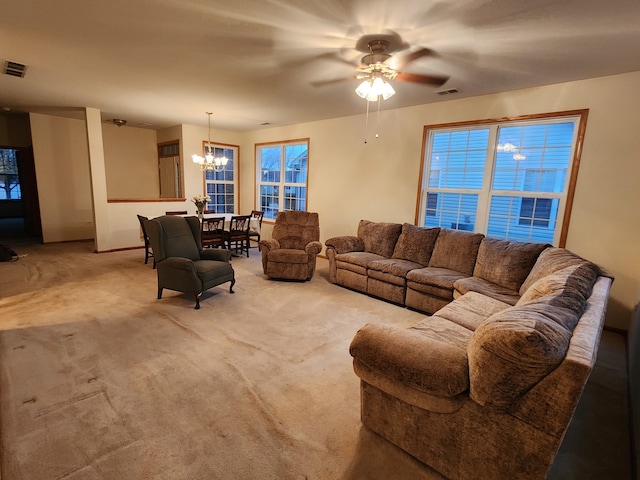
(506, 263)
(379, 238)
(362, 259)
(568, 287)
(415, 244)
(434, 281)
(456, 250)
(512, 351)
(424, 362)
(393, 266)
(476, 284)
(288, 255)
(551, 260)
(471, 309)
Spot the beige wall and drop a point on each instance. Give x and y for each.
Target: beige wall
(131, 161)
(60, 151)
(350, 180)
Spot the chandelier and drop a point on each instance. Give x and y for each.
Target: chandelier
(210, 163)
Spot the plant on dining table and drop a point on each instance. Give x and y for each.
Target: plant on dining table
(200, 201)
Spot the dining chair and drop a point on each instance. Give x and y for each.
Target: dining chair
(147, 247)
(254, 233)
(237, 236)
(212, 232)
(176, 212)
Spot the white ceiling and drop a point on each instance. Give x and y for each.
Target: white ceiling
(250, 62)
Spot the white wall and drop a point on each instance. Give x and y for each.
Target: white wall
(350, 180)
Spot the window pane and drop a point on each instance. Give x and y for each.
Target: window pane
(270, 162)
(459, 159)
(522, 150)
(226, 174)
(524, 219)
(222, 197)
(269, 195)
(296, 163)
(451, 210)
(295, 198)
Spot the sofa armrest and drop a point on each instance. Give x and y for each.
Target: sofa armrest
(412, 358)
(345, 244)
(179, 263)
(269, 244)
(313, 248)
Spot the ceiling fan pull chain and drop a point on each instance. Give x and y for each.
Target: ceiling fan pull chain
(366, 123)
(378, 117)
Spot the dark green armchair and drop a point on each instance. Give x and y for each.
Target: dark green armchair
(182, 264)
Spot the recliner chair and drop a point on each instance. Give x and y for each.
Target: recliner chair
(182, 264)
(291, 252)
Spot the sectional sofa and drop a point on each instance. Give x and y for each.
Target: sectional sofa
(486, 385)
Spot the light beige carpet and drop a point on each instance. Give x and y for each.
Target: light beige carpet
(100, 380)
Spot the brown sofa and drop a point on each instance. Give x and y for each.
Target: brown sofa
(485, 387)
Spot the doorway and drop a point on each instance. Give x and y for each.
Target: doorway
(19, 207)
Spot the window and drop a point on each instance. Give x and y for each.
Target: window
(9, 178)
(506, 179)
(282, 176)
(222, 186)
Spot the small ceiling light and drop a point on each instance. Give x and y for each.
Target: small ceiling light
(119, 122)
(210, 162)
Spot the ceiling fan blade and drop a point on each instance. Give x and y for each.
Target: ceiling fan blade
(322, 83)
(330, 56)
(405, 60)
(336, 57)
(436, 80)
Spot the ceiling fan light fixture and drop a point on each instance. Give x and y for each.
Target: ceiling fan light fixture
(371, 89)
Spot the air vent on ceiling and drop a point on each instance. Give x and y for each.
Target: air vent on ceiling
(14, 69)
(449, 91)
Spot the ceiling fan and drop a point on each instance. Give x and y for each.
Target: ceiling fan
(379, 66)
